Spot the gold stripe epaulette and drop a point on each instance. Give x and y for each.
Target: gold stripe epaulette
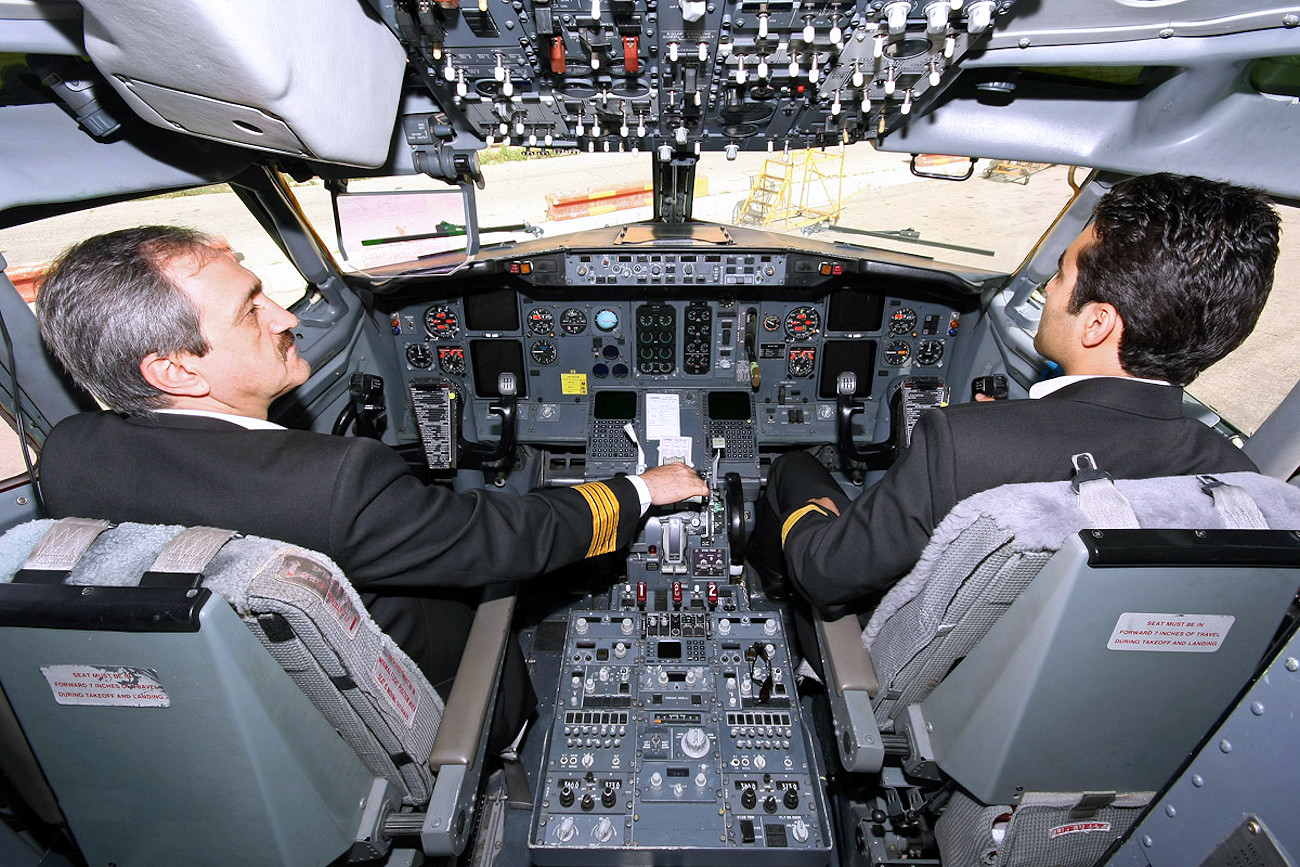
(604, 516)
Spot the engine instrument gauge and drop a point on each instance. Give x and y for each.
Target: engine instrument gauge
(573, 320)
(897, 353)
(419, 355)
(543, 351)
(902, 321)
(929, 352)
(441, 323)
(771, 322)
(451, 360)
(541, 320)
(803, 323)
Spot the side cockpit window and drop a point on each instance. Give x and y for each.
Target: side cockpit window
(28, 250)
(1250, 382)
(215, 209)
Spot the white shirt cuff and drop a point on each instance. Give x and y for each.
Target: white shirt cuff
(642, 491)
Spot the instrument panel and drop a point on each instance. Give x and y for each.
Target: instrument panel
(613, 329)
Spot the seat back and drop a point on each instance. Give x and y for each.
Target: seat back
(1086, 697)
(989, 548)
(192, 700)
(1059, 670)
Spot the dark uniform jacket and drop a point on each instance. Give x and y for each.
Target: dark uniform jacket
(1133, 429)
(350, 498)
(411, 549)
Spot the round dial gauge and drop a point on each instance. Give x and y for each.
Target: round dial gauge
(573, 320)
(897, 353)
(543, 352)
(929, 352)
(606, 320)
(541, 321)
(441, 323)
(800, 362)
(803, 323)
(419, 355)
(902, 320)
(771, 322)
(451, 360)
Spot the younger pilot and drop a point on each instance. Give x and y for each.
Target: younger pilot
(1169, 278)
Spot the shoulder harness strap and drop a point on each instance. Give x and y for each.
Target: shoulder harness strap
(59, 550)
(1234, 504)
(1098, 497)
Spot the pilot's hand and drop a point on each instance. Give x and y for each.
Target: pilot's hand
(980, 397)
(672, 483)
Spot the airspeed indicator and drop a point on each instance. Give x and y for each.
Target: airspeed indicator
(902, 321)
(803, 323)
(541, 321)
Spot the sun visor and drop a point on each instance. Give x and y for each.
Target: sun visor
(317, 79)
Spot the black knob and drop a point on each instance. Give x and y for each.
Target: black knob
(748, 799)
(791, 799)
(566, 796)
(588, 803)
(607, 798)
(769, 803)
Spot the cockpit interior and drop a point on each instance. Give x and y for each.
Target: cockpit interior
(533, 244)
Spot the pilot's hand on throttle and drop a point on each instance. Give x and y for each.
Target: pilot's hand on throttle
(983, 398)
(672, 483)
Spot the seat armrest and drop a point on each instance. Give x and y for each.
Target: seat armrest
(851, 683)
(848, 664)
(458, 749)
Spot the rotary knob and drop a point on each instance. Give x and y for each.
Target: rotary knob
(604, 830)
(566, 830)
(695, 743)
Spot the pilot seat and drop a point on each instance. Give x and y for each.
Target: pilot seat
(189, 695)
(1057, 653)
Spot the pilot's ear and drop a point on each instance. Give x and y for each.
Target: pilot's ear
(174, 374)
(1100, 323)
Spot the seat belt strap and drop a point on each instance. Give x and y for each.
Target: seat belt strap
(59, 550)
(1098, 497)
(1234, 504)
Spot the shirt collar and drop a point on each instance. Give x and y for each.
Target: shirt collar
(241, 420)
(1047, 386)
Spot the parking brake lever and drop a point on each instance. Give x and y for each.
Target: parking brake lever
(876, 456)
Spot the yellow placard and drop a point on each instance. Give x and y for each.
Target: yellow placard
(573, 383)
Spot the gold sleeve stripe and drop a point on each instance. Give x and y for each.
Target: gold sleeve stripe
(795, 516)
(604, 516)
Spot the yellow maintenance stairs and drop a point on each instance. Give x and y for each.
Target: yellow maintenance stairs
(795, 188)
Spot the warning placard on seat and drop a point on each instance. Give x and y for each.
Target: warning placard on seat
(1171, 633)
(106, 685)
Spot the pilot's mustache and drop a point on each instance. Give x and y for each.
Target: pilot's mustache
(284, 340)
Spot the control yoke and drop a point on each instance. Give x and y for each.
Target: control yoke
(876, 456)
(365, 407)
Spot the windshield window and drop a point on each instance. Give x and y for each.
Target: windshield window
(855, 196)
